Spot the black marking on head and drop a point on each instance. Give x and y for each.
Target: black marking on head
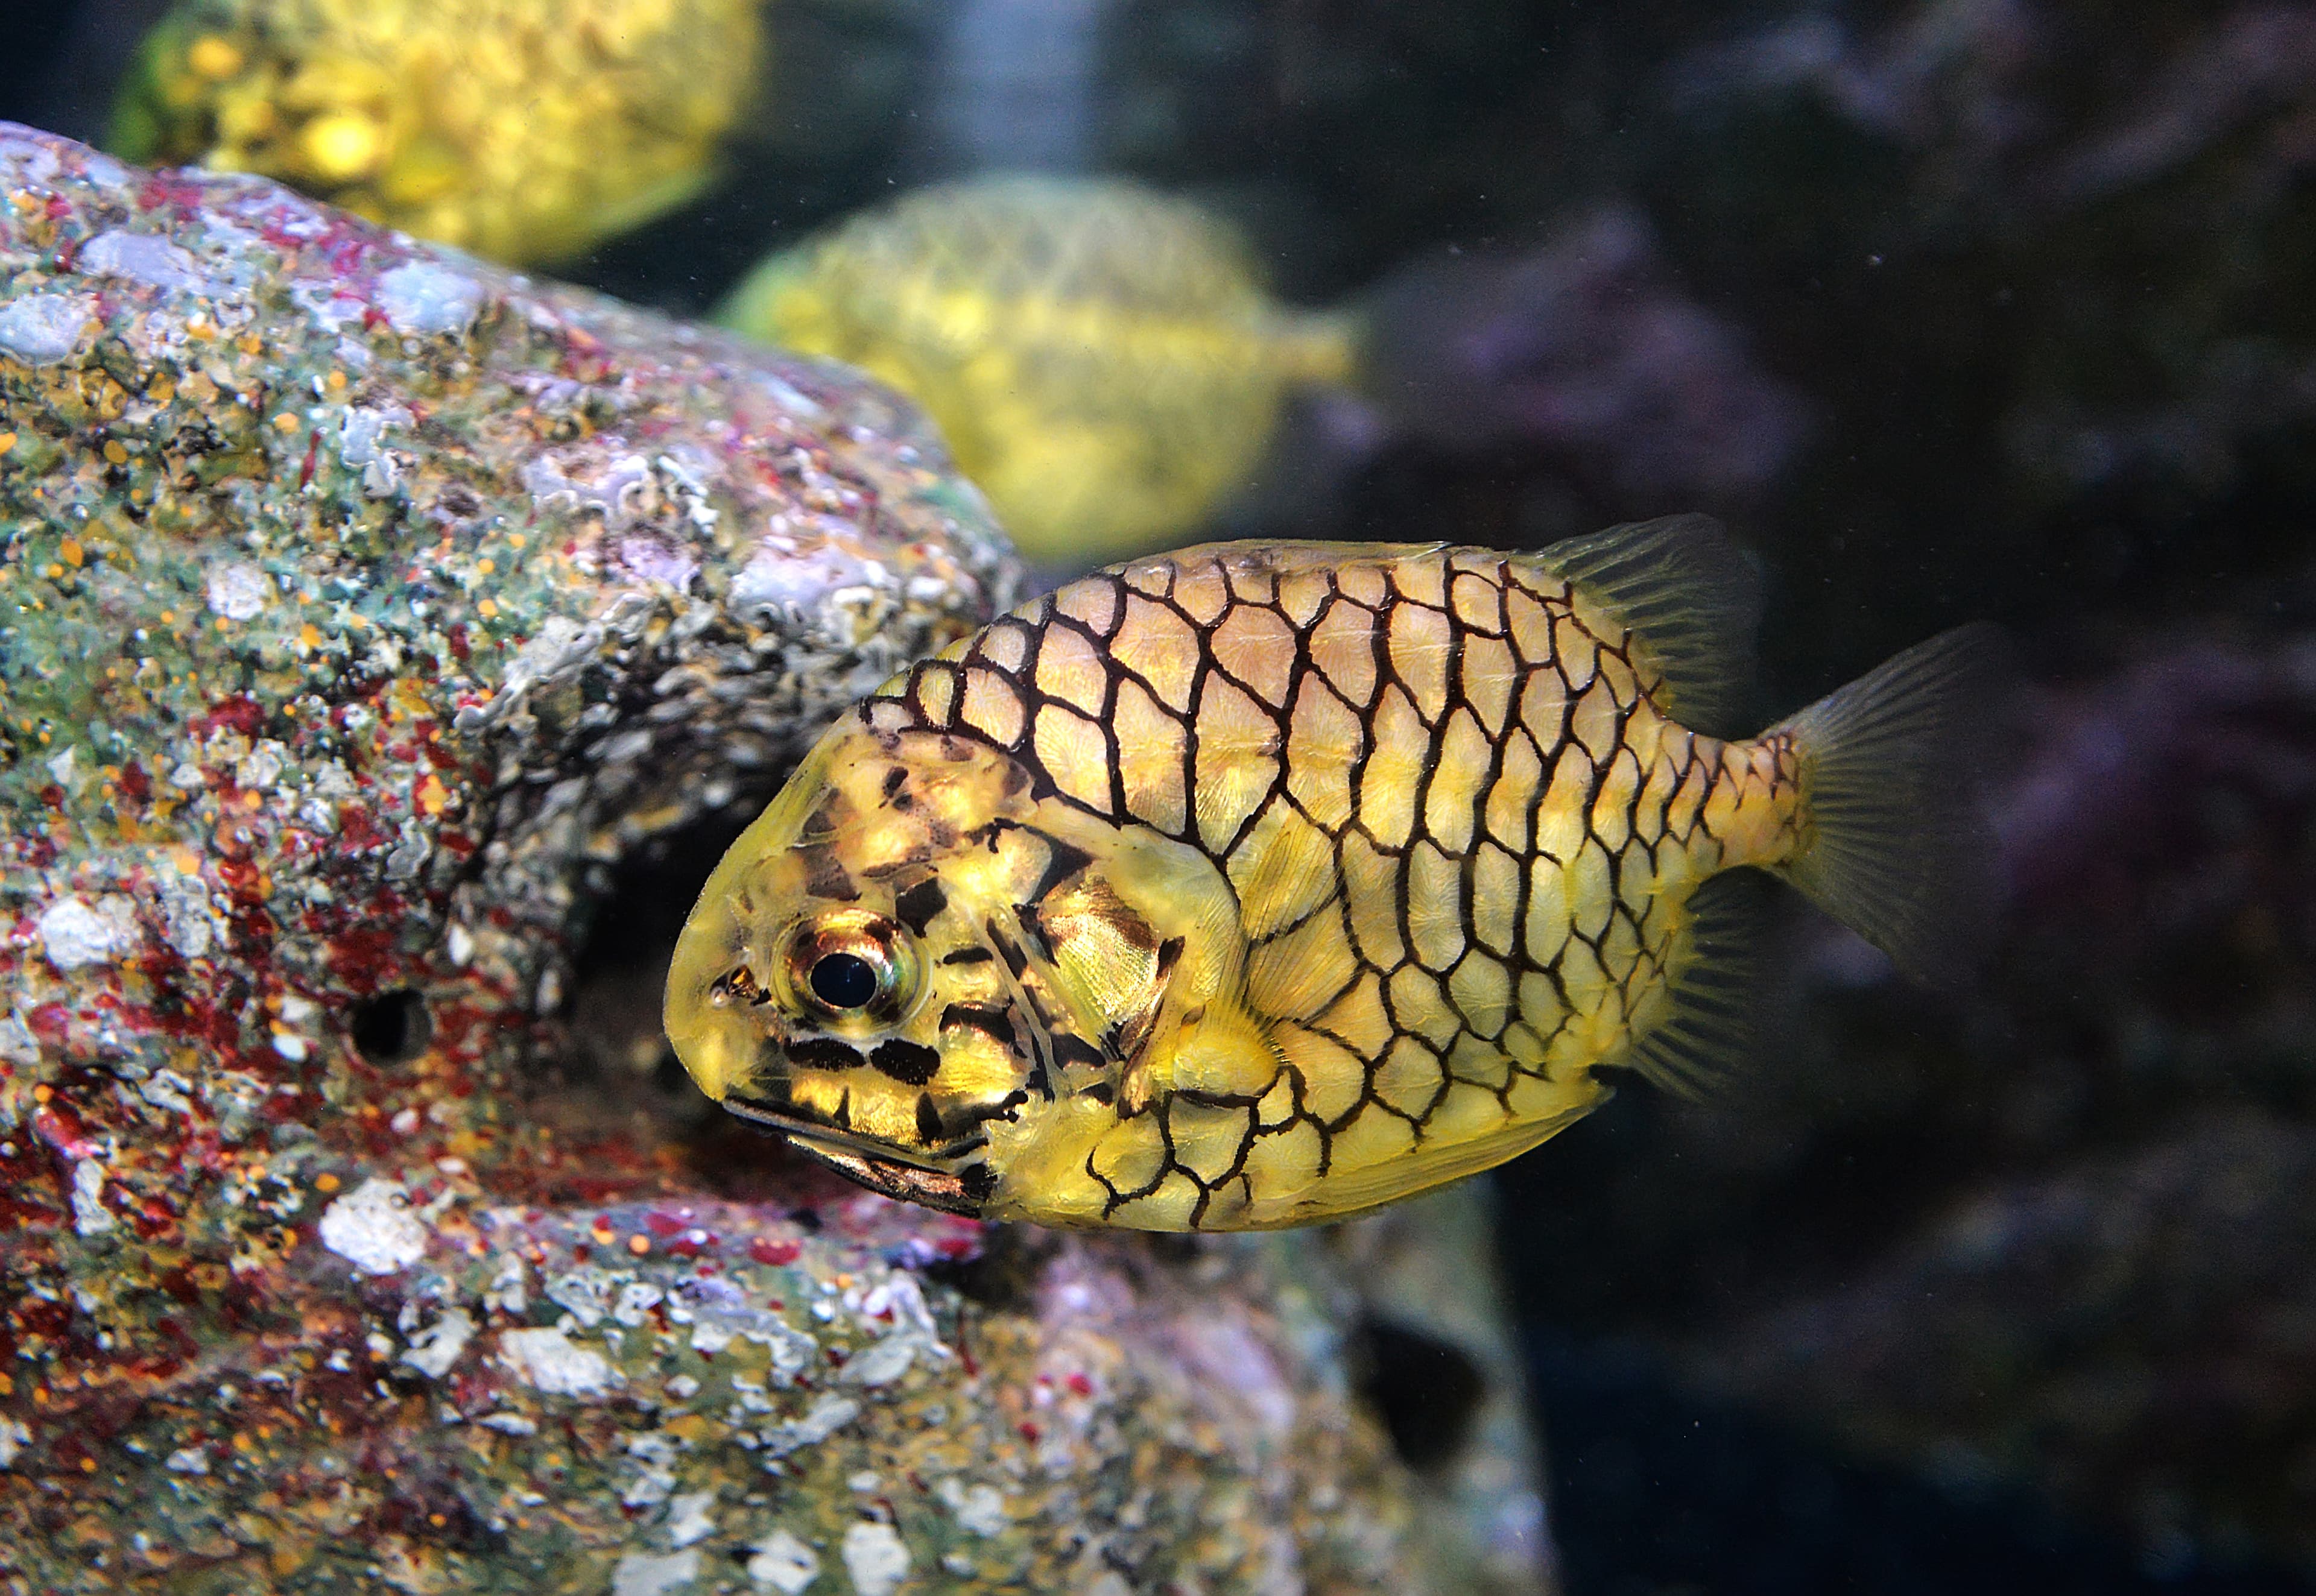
(1062, 862)
(929, 1119)
(1007, 949)
(968, 955)
(992, 1022)
(974, 1113)
(824, 1053)
(1099, 1092)
(1071, 1049)
(977, 1181)
(1040, 1083)
(916, 908)
(827, 879)
(1169, 953)
(843, 1117)
(896, 779)
(912, 1063)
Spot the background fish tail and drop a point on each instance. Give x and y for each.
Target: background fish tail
(1895, 847)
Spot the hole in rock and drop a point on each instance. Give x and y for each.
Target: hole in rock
(613, 1071)
(393, 1027)
(1427, 1391)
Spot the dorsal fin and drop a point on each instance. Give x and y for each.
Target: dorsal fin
(1689, 594)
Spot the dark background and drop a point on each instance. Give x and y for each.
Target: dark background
(1952, 308)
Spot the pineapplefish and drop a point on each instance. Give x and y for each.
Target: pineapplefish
(523, 131)
(1101, 357)
(1259, 884)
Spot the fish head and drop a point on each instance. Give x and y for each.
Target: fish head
(838, 982)
(928, 973)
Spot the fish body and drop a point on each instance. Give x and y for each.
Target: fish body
(523, 131)
(1101, 357)
(1257, 886)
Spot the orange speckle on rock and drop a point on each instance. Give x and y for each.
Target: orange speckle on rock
(432, 795)
(638, 1244)
(285, 422)
(116, 451)
(7, 442)
(487, 609)
(309, 636)
(325, 1181)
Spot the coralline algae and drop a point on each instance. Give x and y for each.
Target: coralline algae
(356, 601)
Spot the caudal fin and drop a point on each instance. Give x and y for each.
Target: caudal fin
(1891, 767)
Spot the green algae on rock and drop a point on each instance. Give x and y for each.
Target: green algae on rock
(357, 601)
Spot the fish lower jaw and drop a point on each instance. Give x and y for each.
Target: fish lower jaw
(882, 1169)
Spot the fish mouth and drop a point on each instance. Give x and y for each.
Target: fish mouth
(880, 1168)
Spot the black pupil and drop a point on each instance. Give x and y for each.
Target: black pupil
(843, 981)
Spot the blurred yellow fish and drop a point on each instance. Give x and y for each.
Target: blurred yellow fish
(1101, 357)
(523, 131)
(1256, 885)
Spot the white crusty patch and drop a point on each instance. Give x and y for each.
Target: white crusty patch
(546, 1361)
(875, 1557)
(76, 933)
(784, 1563)
(42, 329)
(141, 257)
(432, 1349)
(979, 1509)
(689, 1517)
(239, 590)
(372, 1228)
(648, 1574)
(426, 301)
(827, 1415)
(89, 1215)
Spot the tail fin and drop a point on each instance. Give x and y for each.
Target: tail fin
(1891, 766)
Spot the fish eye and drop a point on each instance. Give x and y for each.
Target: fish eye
(851, 966)
(843, 981)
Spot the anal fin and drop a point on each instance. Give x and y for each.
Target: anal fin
(1713, 986)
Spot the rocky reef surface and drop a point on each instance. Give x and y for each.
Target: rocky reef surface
(360, 606)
